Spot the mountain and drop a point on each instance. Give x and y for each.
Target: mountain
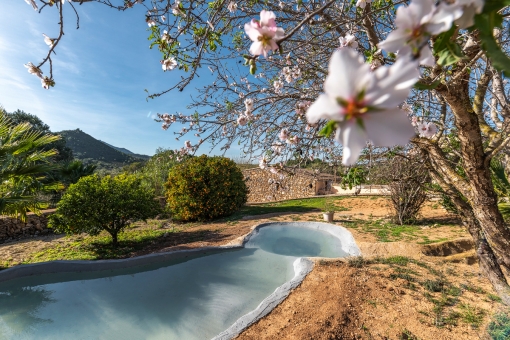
(89, 149)
(127, 152)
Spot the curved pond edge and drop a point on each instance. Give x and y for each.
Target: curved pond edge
(302, 266)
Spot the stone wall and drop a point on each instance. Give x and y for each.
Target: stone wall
(265, 186)
(12, 228)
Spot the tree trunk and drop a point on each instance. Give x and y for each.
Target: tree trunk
(477, 186)
(487, 259)
(114, 238)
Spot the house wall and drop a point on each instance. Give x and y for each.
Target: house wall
(265, 186)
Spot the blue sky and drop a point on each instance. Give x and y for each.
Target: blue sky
(101, 71)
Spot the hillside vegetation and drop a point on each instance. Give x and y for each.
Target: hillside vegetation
(90, 150)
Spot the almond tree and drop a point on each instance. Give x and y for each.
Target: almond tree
(356, 64)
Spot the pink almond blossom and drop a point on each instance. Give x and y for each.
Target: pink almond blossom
(168, 64)
(32, 69)
(416, 23)
(364, 104)
(348, 41)
(263, 33)
(426, 129)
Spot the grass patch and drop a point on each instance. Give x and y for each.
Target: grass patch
(434, 286)
(499, 327)
(494, 297)
(131, 241)
(472, 289)
(427, 240)
(397, 260)
(299, 205)
(384, 230)
(471, 315)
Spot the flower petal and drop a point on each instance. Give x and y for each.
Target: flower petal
(347, 76)
(393, 84)
(257, 48)
(267, 18)
(324, 107)
(252, 31)
(353, 138)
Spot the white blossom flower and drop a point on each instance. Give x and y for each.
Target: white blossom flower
(248, 102)
(165, 37)
(278, 85)
(469, 9)
(263, 163)
(415, 24)
(46, 83)
(426, 129)
(362, 3)
(32, 69)
(175, 7)
(168, 64)
(277, 148)
(49, 41)
(348, 41)
(163, 18)
(364, 104)
(187, 145)
(242, 120)
(293, 140)
(283, 135)
(287, 60)
(32, 2)
(263, 33)
(150, 22)
(407, 108)
(296, 72)
(232, 6)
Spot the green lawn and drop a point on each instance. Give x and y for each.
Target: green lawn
(299, 205)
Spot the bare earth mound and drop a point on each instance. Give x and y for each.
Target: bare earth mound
(382, 301)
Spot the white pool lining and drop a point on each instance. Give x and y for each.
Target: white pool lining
(302, 266)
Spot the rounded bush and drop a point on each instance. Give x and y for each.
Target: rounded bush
(204, 188)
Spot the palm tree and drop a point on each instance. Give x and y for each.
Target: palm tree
(23, 167)
(71, 172)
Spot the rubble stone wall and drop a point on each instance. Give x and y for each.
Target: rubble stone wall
(265, 186)
(12, 228)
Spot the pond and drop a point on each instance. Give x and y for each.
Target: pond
(196, 296)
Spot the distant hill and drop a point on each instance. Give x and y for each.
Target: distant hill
(89, 149)
(127, 152)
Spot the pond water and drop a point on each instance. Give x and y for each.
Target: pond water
(193, 298)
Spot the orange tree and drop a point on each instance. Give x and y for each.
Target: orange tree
(203, 188)
(95, 204)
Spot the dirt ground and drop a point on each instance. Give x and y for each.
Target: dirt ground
(338, 300)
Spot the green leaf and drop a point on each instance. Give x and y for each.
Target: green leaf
(328, 129)
(485, 24)
(422, 86)
(448, 51)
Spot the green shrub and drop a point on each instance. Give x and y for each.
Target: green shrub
(155, 172)
(95, 204)
(203, 188)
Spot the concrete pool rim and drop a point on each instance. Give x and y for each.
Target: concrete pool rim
(302, 266)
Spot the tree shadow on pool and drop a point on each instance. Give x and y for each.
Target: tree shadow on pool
(19, 306)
